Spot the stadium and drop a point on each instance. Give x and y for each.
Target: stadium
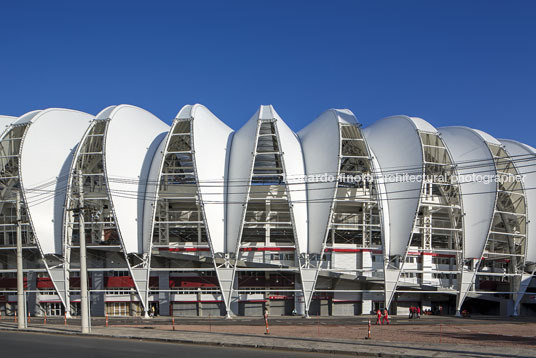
(196, 219)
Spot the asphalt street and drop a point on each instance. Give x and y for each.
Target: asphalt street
(24, 344)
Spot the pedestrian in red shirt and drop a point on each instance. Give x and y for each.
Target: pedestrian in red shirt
(385, 316)
(379, 313)
(418, 312)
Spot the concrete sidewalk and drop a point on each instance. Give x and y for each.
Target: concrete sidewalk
(331, 346)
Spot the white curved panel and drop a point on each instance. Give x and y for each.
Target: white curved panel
(397, 148)
(382, 199)
(524, 157)
(320, 141)
(46, 157)
(240, 163)
(26, 118)
(486, 137)
(423, 125)
(211, 139)
(294, 176)
(151, 192)
(473, 157)
(132, 138)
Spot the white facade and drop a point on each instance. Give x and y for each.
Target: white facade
(195, 217)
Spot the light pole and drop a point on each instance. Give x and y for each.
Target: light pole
(21, 322)
(84, 306)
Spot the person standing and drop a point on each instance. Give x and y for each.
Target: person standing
(418, 312)
(385, 316)
(379, 314)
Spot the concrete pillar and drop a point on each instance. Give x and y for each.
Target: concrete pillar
(366, 263)
(366, 304)
(507, 307)
(199, 304)
(235, 298)
(31, 297)
(96, 304)
(427, 268)
(164, 297)
(299, 300)
(133, 304)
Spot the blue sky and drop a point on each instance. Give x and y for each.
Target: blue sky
(451, 62)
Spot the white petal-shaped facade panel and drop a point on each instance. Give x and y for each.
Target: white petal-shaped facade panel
(240, 169)
(211, 139)
(320, 142)
(382, 201)
(525, 158)
(423, 125)
(151, 193)
(45, 161)
(473, 158)
(396, 145)
(133, 136)
(294, 175)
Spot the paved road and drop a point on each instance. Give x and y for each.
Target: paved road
(23, 344)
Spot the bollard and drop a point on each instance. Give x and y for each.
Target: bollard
(173, 323)
(106, 319)
(28, 317)
(65, 319)
(45, 320)
(15, 319)
(266, 323)
(368, 334)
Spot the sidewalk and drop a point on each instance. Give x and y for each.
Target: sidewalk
(330, 346)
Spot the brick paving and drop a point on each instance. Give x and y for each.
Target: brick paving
(494, 334)
(425, 337)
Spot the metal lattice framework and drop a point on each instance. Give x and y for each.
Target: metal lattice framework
(336, 219)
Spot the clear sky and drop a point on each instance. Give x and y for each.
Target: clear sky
(451, 62)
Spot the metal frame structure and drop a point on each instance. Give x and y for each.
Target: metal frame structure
(23, 153)
(100, 160)
(265, 184)
(336, 219)
(179, 224)
(351, 220)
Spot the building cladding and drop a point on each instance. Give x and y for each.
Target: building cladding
(198, 219)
